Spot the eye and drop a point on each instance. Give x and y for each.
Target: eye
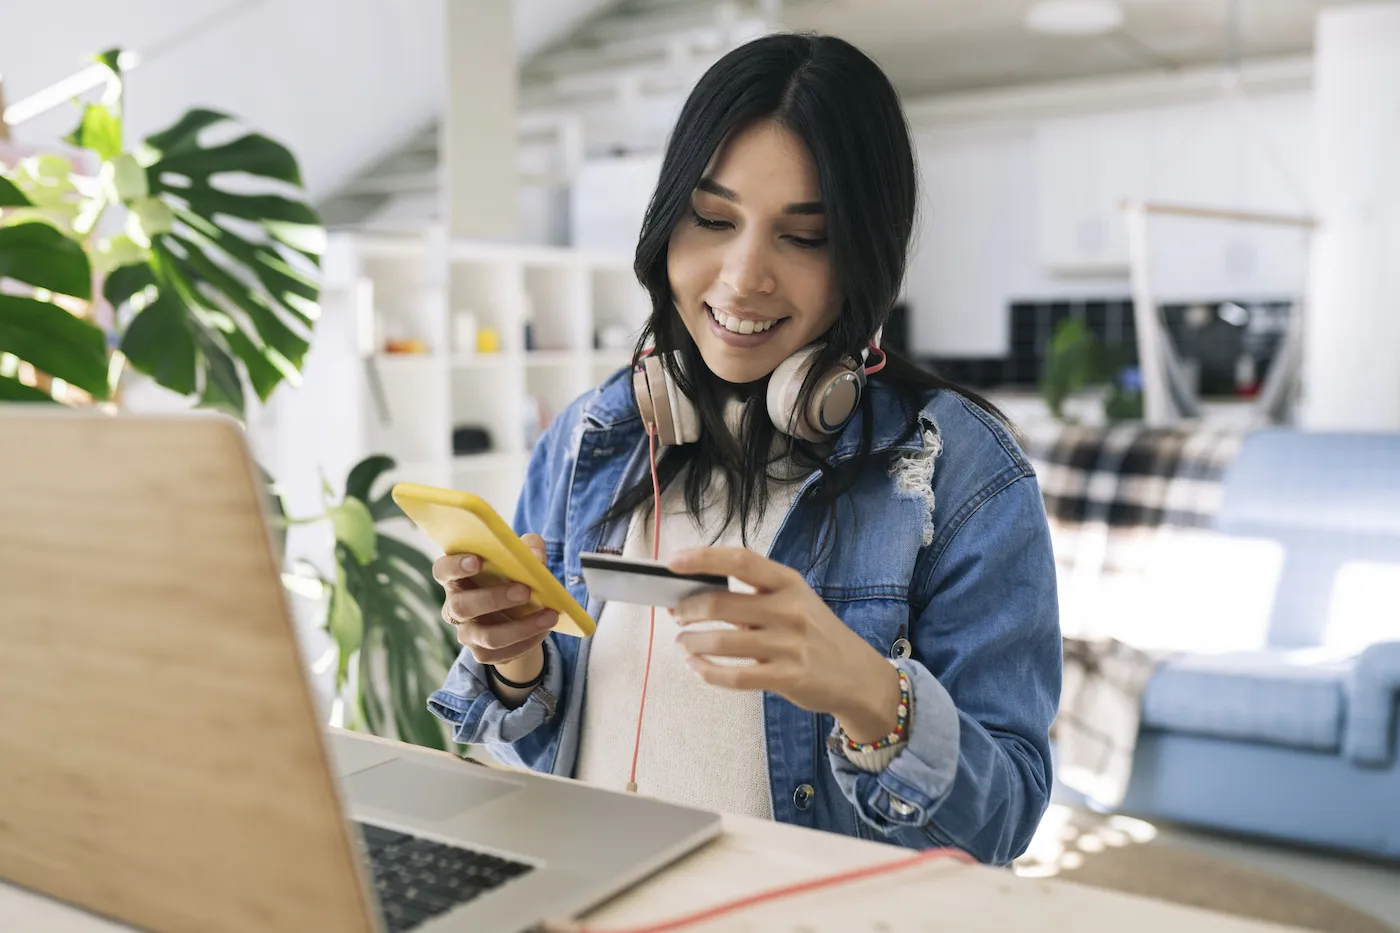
(806, 243)
(708, 224)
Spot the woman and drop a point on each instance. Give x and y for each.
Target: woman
(895, 672)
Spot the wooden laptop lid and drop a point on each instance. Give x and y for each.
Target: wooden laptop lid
(161, 761)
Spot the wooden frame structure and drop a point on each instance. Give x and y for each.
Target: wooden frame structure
(1167, 398)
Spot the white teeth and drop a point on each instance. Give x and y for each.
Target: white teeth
(740, 326)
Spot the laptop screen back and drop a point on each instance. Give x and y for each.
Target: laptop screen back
(161, 762)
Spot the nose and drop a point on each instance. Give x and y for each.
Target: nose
(747, 267)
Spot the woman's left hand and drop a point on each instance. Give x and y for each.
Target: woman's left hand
(801, 650)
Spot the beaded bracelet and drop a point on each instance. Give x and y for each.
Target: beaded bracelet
(895, 737)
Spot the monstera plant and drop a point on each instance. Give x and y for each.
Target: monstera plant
(193, 258)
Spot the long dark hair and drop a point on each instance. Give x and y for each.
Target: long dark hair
(838, 102)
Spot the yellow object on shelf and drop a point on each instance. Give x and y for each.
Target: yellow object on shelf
(487, 341)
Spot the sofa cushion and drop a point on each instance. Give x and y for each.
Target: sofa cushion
(1290, 698)
(1331, 502)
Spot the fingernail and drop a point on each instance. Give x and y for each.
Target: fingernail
(549, 620)
(471, 564)
(681, 558)
(518, 592)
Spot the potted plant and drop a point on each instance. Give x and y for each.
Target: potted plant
(146, 259)
(1077, 361)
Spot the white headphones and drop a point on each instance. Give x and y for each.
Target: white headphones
(834, 398)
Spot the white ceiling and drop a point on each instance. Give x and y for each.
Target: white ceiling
(341, 82)
(945, 46)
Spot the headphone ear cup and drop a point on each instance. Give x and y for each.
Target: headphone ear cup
(660, 401)
(642, 391)
(785, 390)
(683, 413)
(835, 396)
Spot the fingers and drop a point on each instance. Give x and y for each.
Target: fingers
(732, 643)
(741, 563)
(451, 569)
(737, 608)
(496, 639)
(464, 605)
(536, 545)
(749, 677)
(505, 655)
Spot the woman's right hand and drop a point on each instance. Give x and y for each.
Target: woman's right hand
(493, 637)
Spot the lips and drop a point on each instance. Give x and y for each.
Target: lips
(730, 330)
(741, 325)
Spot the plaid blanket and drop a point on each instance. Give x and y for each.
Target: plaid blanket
(1120, 502)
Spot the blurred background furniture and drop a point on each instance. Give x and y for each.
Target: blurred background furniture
(1272, 590)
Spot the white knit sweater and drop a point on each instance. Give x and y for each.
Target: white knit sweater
(701, 746)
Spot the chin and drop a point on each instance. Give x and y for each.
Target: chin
(736, 367)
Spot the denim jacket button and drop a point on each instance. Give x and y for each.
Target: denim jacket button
(901, 648)
(802, 797)
(902, 808)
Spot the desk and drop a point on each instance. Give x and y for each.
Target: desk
(755, 855)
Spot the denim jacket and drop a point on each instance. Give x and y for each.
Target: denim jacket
(962, 594)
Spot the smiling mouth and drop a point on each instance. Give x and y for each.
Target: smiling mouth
(736, 325)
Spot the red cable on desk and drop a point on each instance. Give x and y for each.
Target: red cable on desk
(709, 913)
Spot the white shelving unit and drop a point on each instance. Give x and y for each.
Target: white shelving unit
(413, 287)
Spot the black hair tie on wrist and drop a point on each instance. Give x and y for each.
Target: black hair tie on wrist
(528, 685)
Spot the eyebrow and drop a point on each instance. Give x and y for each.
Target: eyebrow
(710, 186)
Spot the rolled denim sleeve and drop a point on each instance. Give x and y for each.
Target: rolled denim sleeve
(526, 736)
(477, 715)
(985, 674)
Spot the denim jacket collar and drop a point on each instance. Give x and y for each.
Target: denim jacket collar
(612, 406)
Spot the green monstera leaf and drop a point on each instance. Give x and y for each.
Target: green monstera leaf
(404, 649)
(53, 341)
(250, 259)
(39, 255)
(11, 195)
(233, 251)
(215, 279)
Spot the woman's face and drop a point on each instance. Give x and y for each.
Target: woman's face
(749, 266)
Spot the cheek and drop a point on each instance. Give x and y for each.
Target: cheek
(817, 298)
(686, 267)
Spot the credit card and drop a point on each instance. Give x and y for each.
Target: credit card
(648, 582)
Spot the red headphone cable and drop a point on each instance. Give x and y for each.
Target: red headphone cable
(845, 877)
(651, 635)
(656, 555)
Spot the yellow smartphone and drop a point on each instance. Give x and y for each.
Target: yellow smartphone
(461, 523)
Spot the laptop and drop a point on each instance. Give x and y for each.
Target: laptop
(162, 759)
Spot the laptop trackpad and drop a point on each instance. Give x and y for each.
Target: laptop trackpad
(425, 792)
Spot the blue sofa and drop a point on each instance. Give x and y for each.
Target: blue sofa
(1296, 740)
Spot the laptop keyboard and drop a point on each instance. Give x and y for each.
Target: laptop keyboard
(419, 879)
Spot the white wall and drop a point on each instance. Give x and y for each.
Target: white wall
(1352, 350)
(608, 201)
(1008, 189)
(1009, 205)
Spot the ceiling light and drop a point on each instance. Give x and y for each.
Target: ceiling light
(1074, 17)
